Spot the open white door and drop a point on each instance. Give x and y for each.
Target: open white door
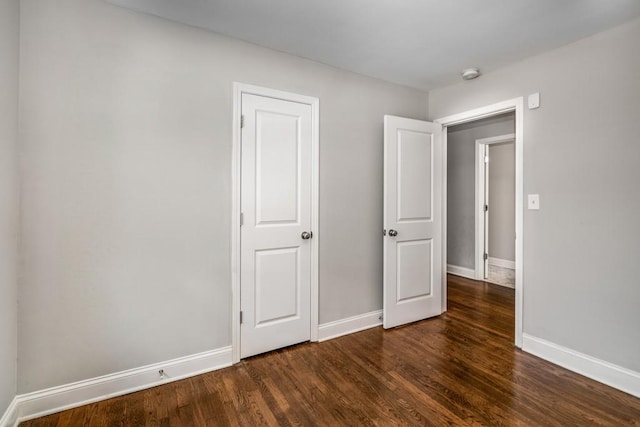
(412, 220)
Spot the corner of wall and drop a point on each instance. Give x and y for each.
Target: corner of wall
(9, 201)
(10, 417)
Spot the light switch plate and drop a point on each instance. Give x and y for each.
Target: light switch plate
(533, 202)
(534, 101)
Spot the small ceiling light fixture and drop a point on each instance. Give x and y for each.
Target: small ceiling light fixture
(470, 73)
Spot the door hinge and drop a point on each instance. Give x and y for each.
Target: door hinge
(486, 208)
(486, 257)
(241, 318)
(241, 121)
(241, 219)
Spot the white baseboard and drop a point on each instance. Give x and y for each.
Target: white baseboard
(10, 417)
(596, 369)
(502, 263)
(336, 329)
(461, 271)
(56, 399)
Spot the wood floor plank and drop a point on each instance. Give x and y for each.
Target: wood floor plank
(458, 369)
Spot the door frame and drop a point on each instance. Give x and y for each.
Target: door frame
(516, 105)
(236, 184)
(480, 198)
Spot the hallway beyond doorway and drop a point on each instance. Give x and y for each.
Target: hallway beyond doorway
(501, 276)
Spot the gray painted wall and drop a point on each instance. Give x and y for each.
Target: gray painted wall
(9, 34)
(126, 123)
(581, 155)
(502, 201)
(461, 184)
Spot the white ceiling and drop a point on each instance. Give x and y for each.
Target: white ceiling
(419, 43)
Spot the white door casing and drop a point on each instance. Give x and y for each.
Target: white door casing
(277, 277)
(517, 106)
(485, 251)
(483, 163)
(412, 220)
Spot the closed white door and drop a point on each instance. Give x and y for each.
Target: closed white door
(275, 276)
(412, 220)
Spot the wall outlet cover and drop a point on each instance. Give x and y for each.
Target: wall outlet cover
(533, 202)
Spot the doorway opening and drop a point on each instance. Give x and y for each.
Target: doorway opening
(495, 207)
(467, 231)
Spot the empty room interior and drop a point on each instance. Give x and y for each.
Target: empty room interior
(319, 213)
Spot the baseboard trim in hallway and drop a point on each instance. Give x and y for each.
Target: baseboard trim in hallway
(461, 271)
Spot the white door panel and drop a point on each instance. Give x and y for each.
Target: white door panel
(412, 220)
(276, 206)
(414, 270)
(414, 151)
(277, 285)
(277, 168)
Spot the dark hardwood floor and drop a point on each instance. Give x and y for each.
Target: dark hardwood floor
(458, 369)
